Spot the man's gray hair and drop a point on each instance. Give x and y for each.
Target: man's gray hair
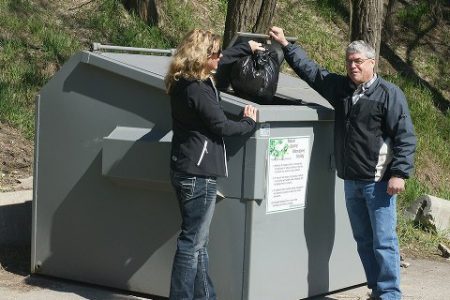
(361, 47)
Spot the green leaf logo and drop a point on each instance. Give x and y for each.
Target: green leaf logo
(278, 148)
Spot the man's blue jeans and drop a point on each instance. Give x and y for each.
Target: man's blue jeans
(197, 200)
(373, 217)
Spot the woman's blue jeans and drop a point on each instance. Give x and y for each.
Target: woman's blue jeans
(197, 199)
(373, 217)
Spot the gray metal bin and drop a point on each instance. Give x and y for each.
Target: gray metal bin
(105, 213)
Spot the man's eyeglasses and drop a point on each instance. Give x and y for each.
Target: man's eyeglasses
(357, 62)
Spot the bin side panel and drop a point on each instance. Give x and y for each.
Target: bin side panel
(226, 248)
(87, 227)
(303, 252)
(91, 229)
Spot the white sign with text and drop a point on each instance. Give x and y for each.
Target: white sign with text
(287, 172)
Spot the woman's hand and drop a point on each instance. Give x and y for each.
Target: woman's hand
(250, 111)
(256, 46)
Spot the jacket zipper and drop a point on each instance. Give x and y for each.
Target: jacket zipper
(225, 158)
(204, 150)
(223, 142)
(347, 127)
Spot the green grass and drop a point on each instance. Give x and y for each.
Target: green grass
(331, 10)
(417, 241)
(320, 42)
(413, 237)
(110, 25)
(414, 189)
(415, 16)
(33, 46)
(27, 43)
(433, 132)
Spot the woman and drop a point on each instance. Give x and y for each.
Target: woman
(198, 155)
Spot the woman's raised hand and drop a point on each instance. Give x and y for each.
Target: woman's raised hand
(250, 111)
(256, 46)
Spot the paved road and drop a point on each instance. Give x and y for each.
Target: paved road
(422, 280)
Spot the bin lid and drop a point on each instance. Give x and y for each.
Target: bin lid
(154, 64)
(151, 70)
(148, 69)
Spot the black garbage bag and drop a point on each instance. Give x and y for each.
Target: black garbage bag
(255, 77)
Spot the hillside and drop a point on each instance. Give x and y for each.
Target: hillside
(38, 36)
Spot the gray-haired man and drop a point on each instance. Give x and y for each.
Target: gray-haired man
(374, 144)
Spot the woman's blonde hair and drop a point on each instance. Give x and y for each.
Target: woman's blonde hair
(191, 57)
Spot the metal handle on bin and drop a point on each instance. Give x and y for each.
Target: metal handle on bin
(260, 37)
(99, 47)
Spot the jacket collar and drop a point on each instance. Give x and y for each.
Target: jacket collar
(366, 87)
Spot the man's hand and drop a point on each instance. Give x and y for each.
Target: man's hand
(277, 34)
(396, 185)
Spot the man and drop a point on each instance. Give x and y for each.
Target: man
(374, 150)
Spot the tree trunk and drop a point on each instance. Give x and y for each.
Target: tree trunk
(265, 16)
(148, 10)
(248, 15)
(366, 22)
(388, 25)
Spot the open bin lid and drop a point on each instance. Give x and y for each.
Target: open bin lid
(290, 87)
(306, 103)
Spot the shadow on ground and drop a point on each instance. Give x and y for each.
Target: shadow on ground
(16, 259)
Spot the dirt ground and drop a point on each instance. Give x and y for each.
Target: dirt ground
(16, 158)
(15, 262)
(16, 164)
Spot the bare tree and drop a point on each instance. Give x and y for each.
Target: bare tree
(366, 22)
(148, 10)
(248, 15)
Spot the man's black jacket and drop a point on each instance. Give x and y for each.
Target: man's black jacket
(374, 138)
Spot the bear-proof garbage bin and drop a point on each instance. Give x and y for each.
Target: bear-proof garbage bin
(104, 211)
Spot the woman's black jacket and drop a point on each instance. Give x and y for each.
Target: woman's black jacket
(199, 123)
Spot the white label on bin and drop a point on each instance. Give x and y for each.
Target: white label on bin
(264, 129)
(287, 172)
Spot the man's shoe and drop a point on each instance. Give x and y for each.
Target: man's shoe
(372, 297)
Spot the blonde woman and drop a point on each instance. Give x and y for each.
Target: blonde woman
(198, 155)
